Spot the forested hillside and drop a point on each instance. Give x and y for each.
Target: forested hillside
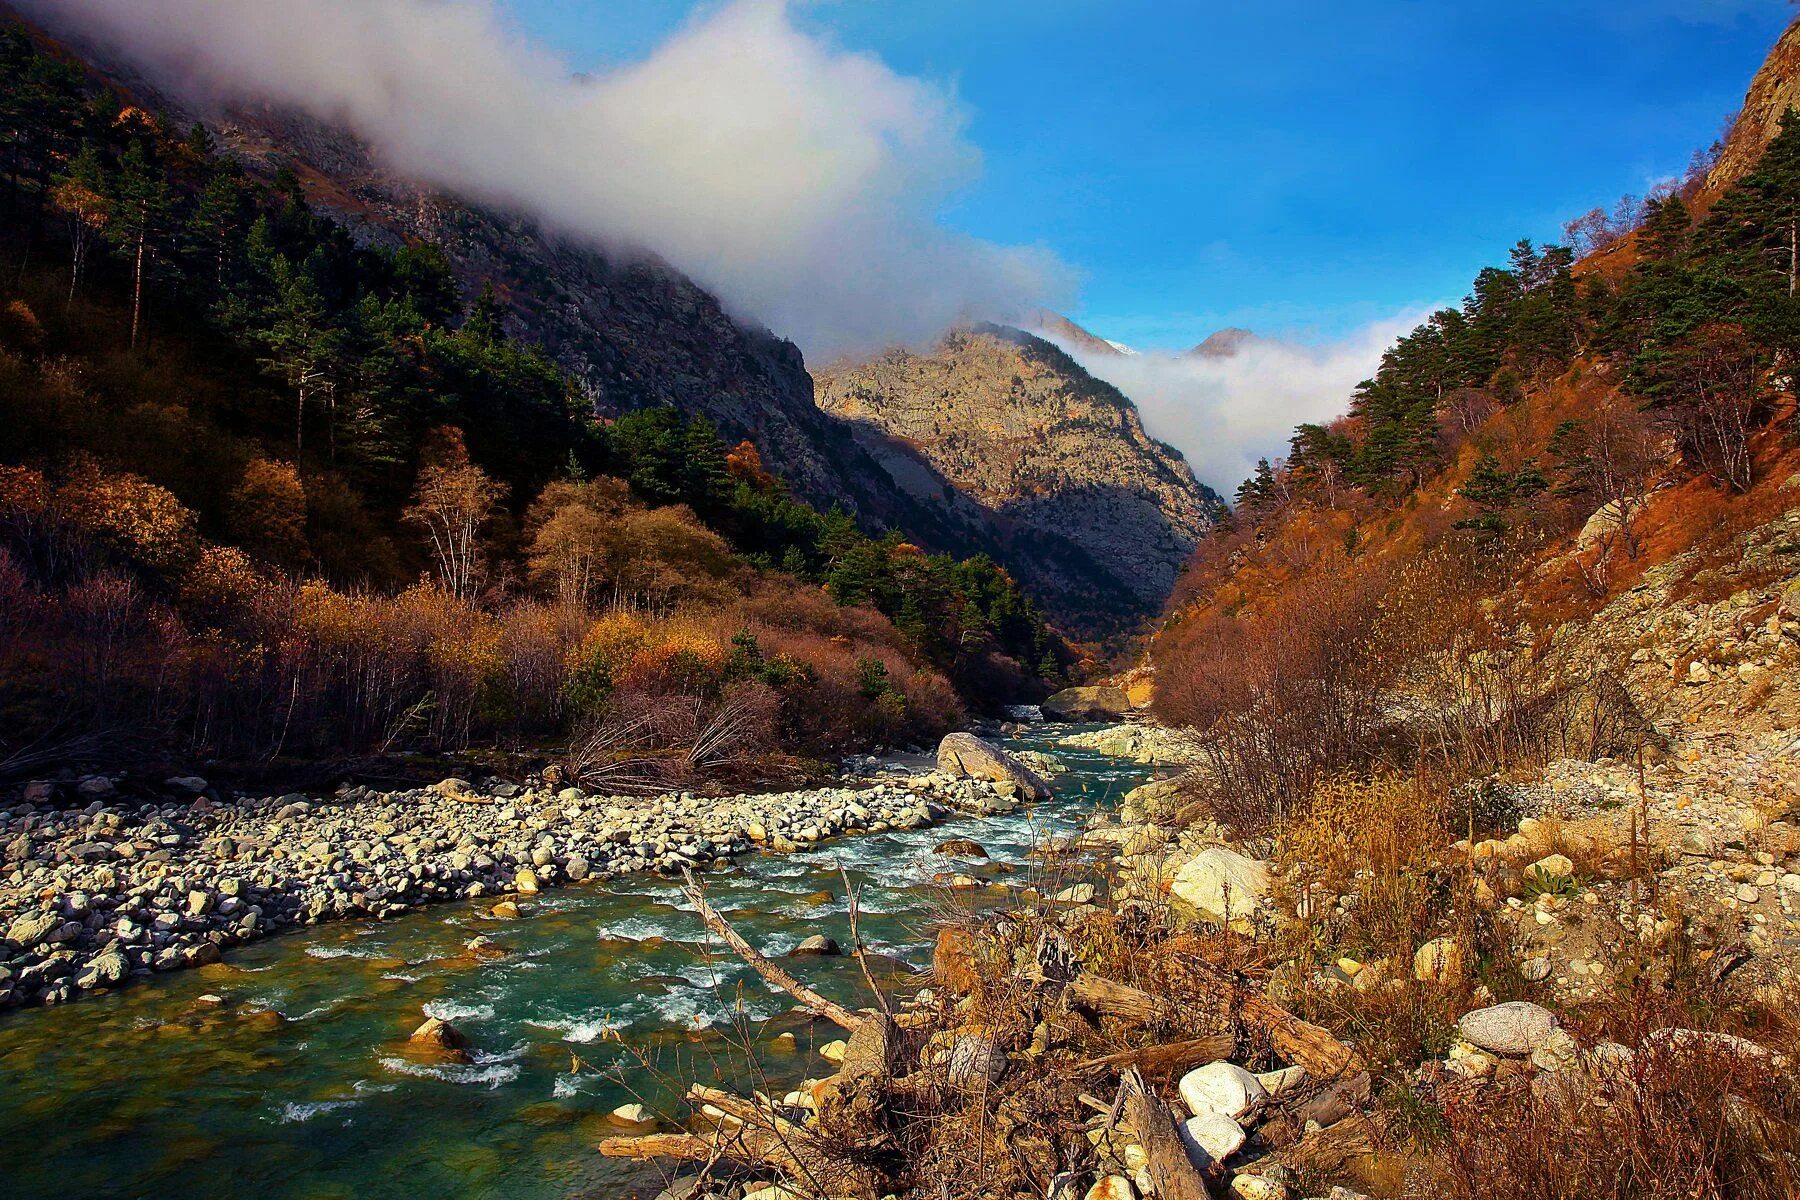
(268, 490)
(1589, 413)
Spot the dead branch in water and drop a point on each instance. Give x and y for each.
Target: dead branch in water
(808, 999)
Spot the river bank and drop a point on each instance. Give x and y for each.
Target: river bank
(92, 897)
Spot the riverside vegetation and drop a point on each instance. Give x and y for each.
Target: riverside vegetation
(270, 493)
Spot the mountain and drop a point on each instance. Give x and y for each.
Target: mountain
(1093, 506)
(1226, 343)
(1774, 90)
(633, 330)
(636, 333)
(1064, 332)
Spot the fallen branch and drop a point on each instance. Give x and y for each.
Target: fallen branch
(856, 944)
(1167, 1058)
(1121, 1000)
(1309, 1045)
(808, 999)
(1325, 1151)
(657, 1145)
(1172, 1172)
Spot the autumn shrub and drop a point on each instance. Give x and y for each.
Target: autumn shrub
(1280, 697)
(267, 512)
(1690, 1118)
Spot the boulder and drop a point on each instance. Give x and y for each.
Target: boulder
(106, 969)
(975, 1061)
(1087, 704)
(960, 848)
(1222, 884)
(1515, 1028)
(1220, 1088)
(33, 928)
(968, 757)
(441, 1037)
(817, 945)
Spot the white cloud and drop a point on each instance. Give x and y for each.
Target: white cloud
(1224, 413)
(799, 181)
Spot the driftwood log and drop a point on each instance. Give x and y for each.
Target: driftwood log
(1165, 1152)
(808, 999)
(1164, 1058)
(1302, 1042)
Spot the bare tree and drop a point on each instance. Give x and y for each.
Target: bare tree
(454, 503)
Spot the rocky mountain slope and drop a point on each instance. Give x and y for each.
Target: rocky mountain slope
(1774, 90)
(636, 332)
(1040, 447)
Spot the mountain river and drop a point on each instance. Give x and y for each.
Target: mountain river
(281, 1074)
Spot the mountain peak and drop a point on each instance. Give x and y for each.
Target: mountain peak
(1226, 343)
(1060, 329)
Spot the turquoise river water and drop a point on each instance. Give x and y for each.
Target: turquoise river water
(297, 1086)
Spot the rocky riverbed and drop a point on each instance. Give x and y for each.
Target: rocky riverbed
(97, 887)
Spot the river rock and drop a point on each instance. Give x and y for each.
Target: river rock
(965, 756)
(1111, 1187)
(634, 1115)
(441, 1037)
(1222, 884)
(817, 945)
(1215, 1137)
(960, 848)
(975, 1061)
(1087, 704)
(1515, 1028)
(32, 928)
(104, 970)
(1441, 960)
(1221, 1088)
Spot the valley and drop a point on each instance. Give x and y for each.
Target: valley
(482, 712)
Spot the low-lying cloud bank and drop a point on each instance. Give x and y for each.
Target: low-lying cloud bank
(798, 181)
(1223, 413)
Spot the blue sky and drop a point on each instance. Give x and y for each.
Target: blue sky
(1296, 166)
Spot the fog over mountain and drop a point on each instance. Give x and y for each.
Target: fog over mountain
(1240, 399)
(797, 180)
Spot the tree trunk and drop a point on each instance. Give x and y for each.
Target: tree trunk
(137, 287)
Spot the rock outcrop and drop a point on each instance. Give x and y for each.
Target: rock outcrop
(1096, 514)
(1775, 89)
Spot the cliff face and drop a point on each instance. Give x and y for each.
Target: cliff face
(1054, 455)
(1774, 90)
